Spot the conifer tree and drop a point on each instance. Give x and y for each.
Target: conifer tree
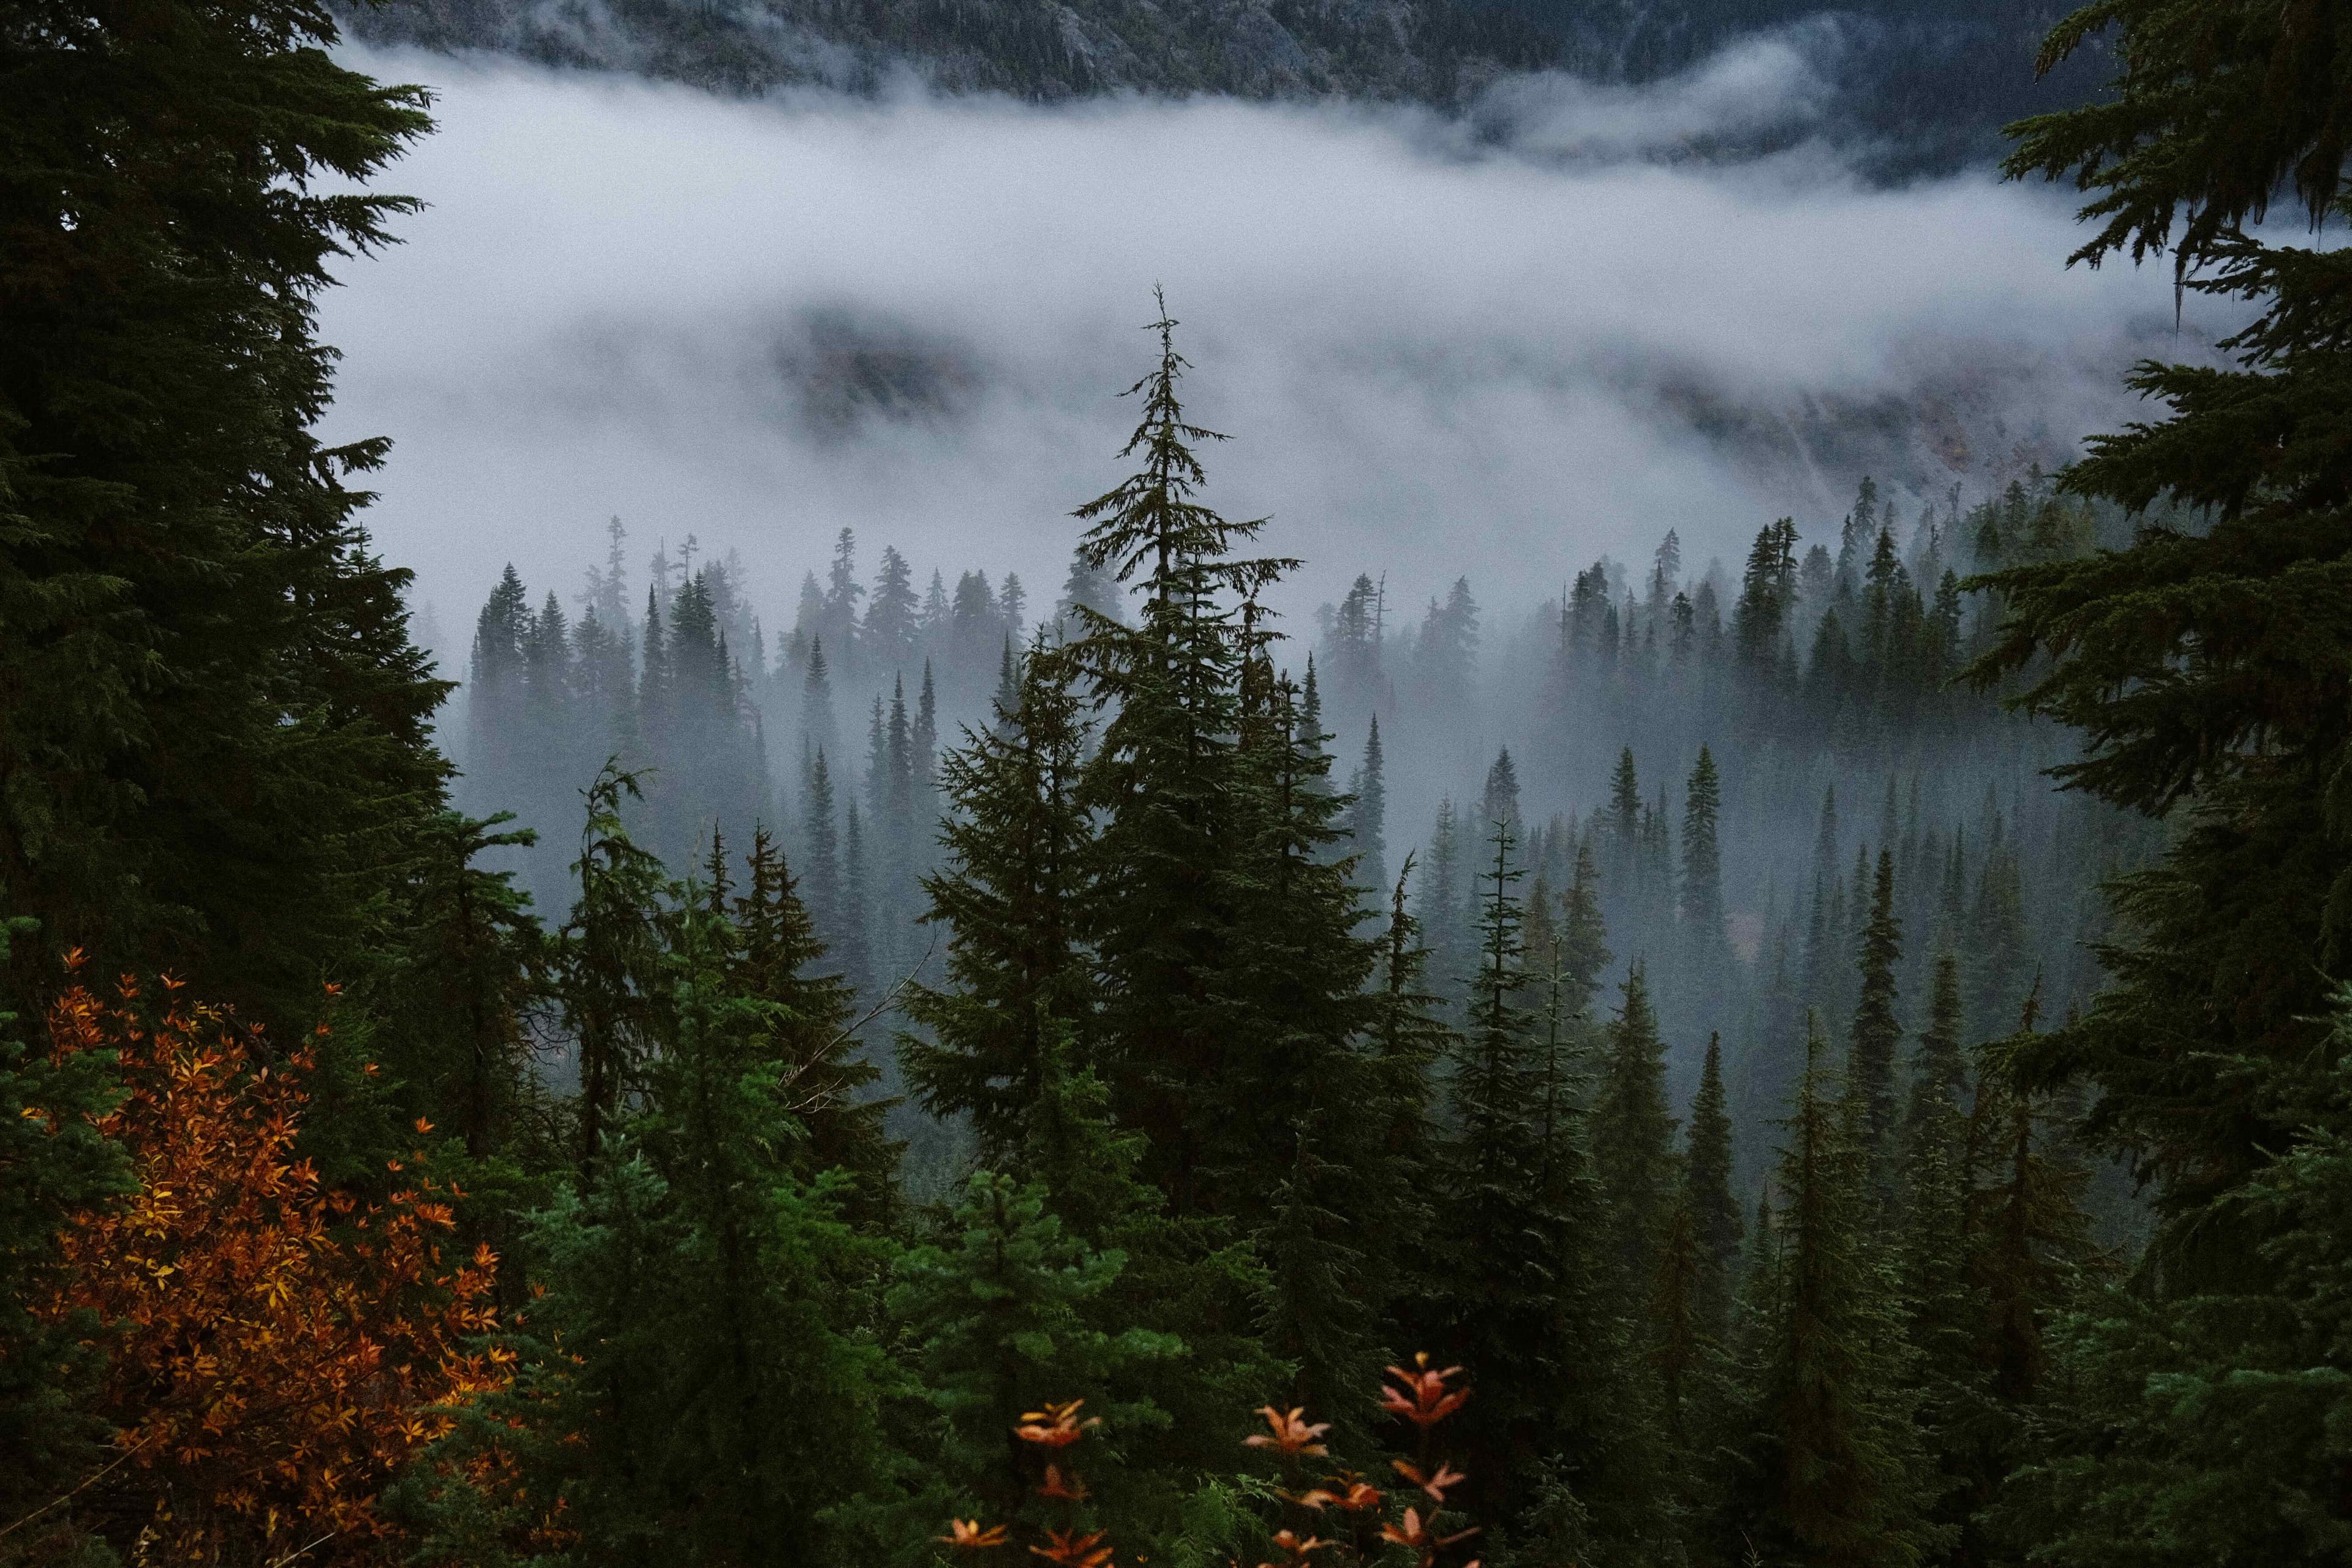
(1583, 935)
(925, 749)
(654, 698)
(890, 625)
(198, 635)
(1518, 1284)
(609, 961)
(1877, 1030)
(1767, 594)
(1971, 1439)
(1009, 894)
(1367, 817)
(697, 1384)
(1002, 1311)
(2032, 1236)
(1164, 778)
(1702, 883)
(818, 732)
(2186, 660)
(1837, 1461)
(851, 939)
(453, 1002)
(495, 680)
(1625, 809)
(1445, 893)
(1706, 1194)
(1298, 980)
(778, 962)
(821, 850)
(1633, 1142)
(1499, 802)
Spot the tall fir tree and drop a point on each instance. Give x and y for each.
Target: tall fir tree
(1701, 899)
(1706, 1189)
(1633, 1142)
(1877, 1028)
(216, 725)
(1010, 894)
(1164, 780)
(1367, 817)
(1560, 1448)
(1836, 1464)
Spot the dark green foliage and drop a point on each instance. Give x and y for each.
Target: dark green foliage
(1877, 1029)
(1971, 1435)
(1519, 1279)
(778, 960)
(697, 1384)
(610, 953)
(2201, 1427)
(1367, 817)
(1002, 1313)
(1632, 1140)
(1010, 896)
(1837, 1466)
(1706, 1196)
(2205, 664)
(200, 647)
(53, 1164)
(1702, 883)
(1162, 911)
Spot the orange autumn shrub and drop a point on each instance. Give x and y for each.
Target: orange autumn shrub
(276, 1349)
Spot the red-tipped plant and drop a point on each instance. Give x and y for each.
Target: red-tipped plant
(1292, 1433)
(1421, 1395)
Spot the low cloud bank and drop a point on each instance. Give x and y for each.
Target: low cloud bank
(1501, 347)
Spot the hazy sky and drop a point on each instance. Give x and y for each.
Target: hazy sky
(1500, 348)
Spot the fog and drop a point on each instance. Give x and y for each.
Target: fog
(1499, 345)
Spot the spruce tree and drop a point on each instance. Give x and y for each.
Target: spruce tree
(1298, 980)
(1002, 1313)
(778, 962)
(1971, 1437)
(455, 996)
(1837, 1463)
(1706, 1194)
(1519, 1286)
(1702, 882)
(1009, 896)
(697, 1384)
(851, 937)
(821, 849)
(2199, 1428)
(1499, 801)
(1877, 1030)
(1367, 817)
(1633, 1142)
(2187, 659)
(1164, 779)
(201, 644)
(1223, 925)
(609, 959)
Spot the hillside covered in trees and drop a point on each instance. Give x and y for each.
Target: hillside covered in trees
(1912, 88)
(959, 1073)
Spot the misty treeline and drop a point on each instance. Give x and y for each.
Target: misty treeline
(1712, 760)
(945, 1060)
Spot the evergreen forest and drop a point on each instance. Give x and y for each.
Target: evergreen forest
(1834, 1057)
